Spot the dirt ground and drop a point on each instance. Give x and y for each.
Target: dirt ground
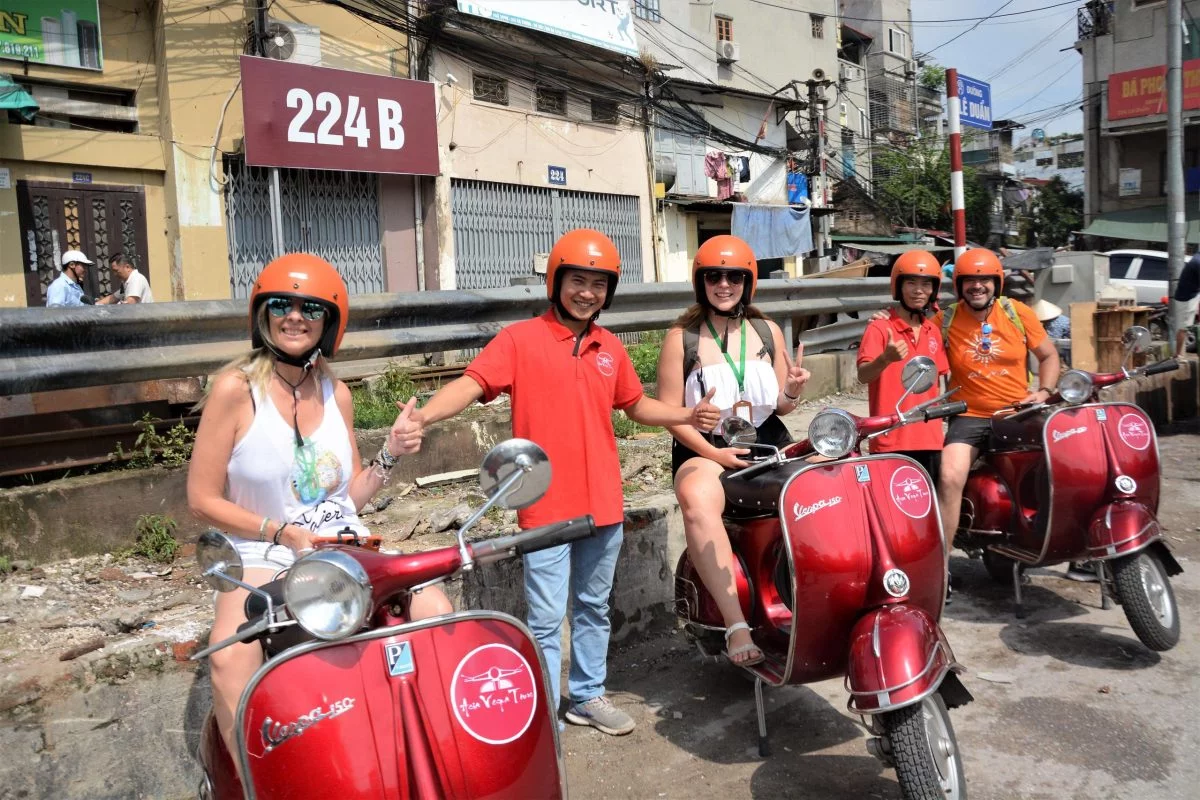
(1068, 703)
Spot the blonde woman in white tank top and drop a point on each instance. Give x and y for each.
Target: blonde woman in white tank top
(275, 463)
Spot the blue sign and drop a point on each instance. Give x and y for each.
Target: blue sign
(81, 177)
(557, 176)
(975, 103)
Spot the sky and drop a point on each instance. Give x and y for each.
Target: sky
(1033, 87)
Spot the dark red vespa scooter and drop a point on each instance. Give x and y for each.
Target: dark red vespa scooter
(841, 570)
(1078, 480)
(355, 701)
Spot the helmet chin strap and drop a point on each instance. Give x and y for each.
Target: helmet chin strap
(732, 313)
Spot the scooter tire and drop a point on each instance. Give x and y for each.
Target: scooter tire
(999, 568)
(924, 751)
(1149, 601)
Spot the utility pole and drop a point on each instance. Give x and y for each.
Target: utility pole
(1176, 218)
(816, 120)
(260, 49)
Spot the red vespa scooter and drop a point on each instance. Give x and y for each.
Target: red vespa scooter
(1078, 480)
(840, 569)
(356, 701)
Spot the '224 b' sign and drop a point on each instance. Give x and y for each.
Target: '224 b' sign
(318, 118)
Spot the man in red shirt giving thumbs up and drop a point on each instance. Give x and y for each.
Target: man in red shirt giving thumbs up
(888, 343)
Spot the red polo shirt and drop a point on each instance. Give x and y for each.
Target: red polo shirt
(885, 390)
(563, 393)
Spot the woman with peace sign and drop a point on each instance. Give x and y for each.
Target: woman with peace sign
(722, 349)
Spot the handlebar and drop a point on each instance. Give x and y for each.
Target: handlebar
(1169, 365)
(534, 539)
(945, 410)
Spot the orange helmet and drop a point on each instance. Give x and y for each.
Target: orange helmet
(586, 249)
(916, 264)
(725, 252)
(978, 261)
(307, 277)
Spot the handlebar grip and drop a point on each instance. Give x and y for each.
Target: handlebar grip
(945, 410)
(535, 539)
(1170, 365)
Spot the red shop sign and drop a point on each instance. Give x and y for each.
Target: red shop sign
(320, 118)
(1142, 92)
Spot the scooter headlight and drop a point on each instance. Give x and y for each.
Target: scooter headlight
(832, 433)
(328, 593)
(1075, 386)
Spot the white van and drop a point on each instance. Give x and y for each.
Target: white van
(1143, 270)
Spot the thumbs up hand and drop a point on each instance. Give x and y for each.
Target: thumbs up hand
(407, 431)
(895, 350)
(705, 415)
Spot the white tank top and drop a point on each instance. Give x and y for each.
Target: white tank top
(306, 486)
(713, 372)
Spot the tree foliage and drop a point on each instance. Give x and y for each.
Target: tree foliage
(933, 76)
(1057, 210)
(917, 188)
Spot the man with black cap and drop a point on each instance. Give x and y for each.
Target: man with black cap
(67, 288)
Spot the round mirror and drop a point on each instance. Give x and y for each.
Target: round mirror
(510, 456)
(215, 552)
(918, 374)
(736, 431)
(1136, 339)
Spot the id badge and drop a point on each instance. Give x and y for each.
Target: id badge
(742, 408)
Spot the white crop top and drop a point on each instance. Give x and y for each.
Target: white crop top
(761, 386)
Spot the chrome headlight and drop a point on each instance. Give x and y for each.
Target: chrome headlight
(1075, 386)
(832, 433)
(328, 593)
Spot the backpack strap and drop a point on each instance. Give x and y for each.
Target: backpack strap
(764, 333)
(947, 321)
(1011, 312)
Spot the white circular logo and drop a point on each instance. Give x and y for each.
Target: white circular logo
(911, 492)
(1126, 484)
(604, 363)
(895, 582)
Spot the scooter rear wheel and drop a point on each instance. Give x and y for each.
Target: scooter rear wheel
(925, 751)
(1149, 602)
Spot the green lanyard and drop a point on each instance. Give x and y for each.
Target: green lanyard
(738, 372)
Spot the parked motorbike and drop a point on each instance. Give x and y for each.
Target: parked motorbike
(1075, 479)
(354, 700)
(841, 570)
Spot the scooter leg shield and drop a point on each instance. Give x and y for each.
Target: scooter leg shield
(898, 655)
(1119, 528)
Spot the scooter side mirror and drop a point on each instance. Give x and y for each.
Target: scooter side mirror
(509, 457)
(918, 374)
(737, 431)
(219, 561)
(1136, 340)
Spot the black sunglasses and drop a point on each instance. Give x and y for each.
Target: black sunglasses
(282, 306)
(735, 276)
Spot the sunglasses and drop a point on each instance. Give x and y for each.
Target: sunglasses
(713, 277)
(282, 306)
(985, 339)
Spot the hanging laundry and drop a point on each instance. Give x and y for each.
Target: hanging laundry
(743, 168)
(797, 188)
(773, 231)
(717, 167)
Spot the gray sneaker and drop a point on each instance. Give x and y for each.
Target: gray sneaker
(600, 713)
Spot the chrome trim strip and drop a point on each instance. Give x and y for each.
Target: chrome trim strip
(928, 666)
(953, 666)
(243, 755)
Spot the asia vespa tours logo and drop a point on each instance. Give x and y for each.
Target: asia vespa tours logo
(494, 694)
(606, 364)
(911, 492)
(1134, 431)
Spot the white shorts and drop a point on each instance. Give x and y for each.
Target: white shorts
(264, 555)
(1184, 314)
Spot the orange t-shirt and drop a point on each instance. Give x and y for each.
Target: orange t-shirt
(990, 377)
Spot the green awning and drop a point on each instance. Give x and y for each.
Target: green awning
(14, 97)
(1141, 225)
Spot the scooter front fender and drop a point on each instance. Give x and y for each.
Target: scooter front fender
(1120, 528)
(898, 656)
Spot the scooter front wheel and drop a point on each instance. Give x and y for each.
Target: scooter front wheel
(925, 751)
(1149, 602)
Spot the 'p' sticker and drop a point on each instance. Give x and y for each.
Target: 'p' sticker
(494, 694)
(399, 658)
(1101, 414)
(862, 473)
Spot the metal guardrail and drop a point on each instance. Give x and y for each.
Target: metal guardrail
(48, 349)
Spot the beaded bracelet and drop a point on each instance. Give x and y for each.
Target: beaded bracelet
(278, 533)
(385, 458)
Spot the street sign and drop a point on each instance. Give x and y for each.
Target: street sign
(975, 102)
(319, 118)
(556, 175)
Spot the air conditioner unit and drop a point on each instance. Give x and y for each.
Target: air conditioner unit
(728, 52)
(293, 41)
(847, 73)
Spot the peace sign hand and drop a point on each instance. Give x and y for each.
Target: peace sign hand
(797, 375)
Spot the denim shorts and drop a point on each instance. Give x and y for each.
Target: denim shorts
(975, 431)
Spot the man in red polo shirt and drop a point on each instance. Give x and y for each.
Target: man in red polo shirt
(565, 375)
(888, 343)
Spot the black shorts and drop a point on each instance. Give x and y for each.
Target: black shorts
(772, 432)
(975, 431)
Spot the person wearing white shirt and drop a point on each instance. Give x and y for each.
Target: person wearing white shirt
(67, 288)
(134, 286)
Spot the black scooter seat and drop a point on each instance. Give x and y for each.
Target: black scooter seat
(757, 493)
(1010, 434)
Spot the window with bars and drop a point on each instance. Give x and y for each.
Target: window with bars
(818, 26)
(605, 111)
(647, 10)
(550, 101)
(1070, 160)
(724, 29)
(490, 89)
(898, 42)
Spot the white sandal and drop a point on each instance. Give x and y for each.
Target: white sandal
(746, 648)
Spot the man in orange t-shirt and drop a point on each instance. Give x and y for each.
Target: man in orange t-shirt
(888, 343)
(988, 355)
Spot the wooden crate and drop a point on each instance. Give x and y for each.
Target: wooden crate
(1111, 323)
